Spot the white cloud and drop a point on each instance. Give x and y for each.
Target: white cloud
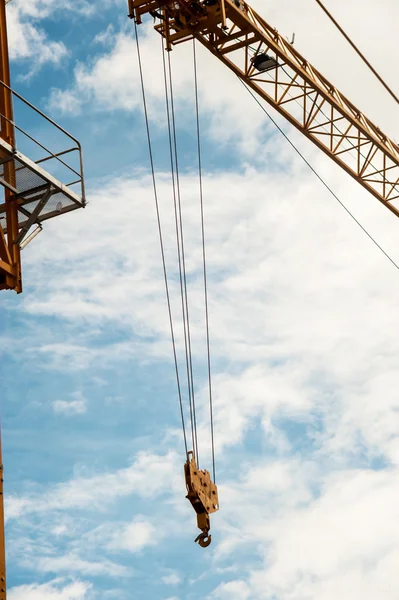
(41, 9)
(26, 40)
(274, 391)
(29, 42)
(65, 101)
(74, 564)
(71, 511)
(69, 407)
(304, 343)
(59, 530)
(171, 579)
(105, 37)
(102, 81)
(234, 590)
(147, 477)
(339, 540)
(55, 590)
(300, 345)
(349, 515)
(77, 406)
(283, 306)
(134, 536)
(322, 550)
(111, 82)
(15, 506)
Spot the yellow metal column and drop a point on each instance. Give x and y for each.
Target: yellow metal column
(13, 279)
(10, 253)
(3, 592)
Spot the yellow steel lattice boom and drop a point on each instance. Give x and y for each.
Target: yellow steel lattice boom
(273, 68)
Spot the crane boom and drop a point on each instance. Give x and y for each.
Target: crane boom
(279, 74)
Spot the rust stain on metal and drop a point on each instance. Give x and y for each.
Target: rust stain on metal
(202, 492)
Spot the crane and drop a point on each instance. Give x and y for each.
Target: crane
(271, 68)
(270, 65)
(265, 62)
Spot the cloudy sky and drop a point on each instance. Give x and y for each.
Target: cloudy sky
(303, 329)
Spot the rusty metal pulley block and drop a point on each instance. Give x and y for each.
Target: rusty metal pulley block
(202, 492)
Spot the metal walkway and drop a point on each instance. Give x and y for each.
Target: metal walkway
(38, 183)
(40, 195)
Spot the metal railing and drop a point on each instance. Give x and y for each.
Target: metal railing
(77, 172)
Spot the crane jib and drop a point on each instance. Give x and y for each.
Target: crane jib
(241, 39)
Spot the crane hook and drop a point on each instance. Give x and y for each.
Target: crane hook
(204, 539)
(203, 495)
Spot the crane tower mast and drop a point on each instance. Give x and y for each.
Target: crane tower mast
(276, 71)
(10, 255)
(38, 187)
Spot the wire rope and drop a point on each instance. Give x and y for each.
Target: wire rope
(160, 233)
(204, 258)
(176, 190)
(319, 177)
(186, 303)
(364, 59)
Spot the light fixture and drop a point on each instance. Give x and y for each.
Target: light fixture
(263, 62)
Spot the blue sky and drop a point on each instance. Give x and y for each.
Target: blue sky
(303, 332)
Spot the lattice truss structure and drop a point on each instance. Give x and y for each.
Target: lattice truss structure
(32, 194)
(274, 69)
(39, 195)
(37, 186)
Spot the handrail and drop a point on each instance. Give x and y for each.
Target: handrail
(40, 160)
(61, 129)
(52, 155)
(40, 113)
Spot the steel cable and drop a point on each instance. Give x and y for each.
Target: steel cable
(319, 177)
(190, 370)
(160, 234)
(204, 259)
(176, 194)
(356, 49)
